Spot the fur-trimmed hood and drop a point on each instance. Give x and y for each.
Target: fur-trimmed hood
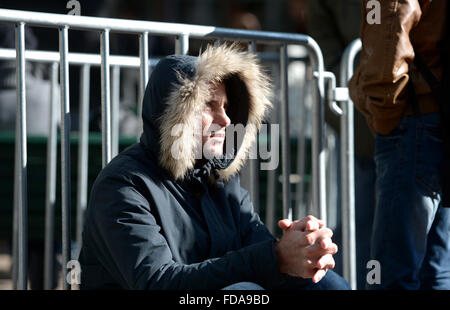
(177, 92)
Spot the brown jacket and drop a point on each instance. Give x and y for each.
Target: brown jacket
(378, 87)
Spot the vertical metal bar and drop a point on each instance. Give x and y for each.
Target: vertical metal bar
(271, 199)
(331, 173)
(115, 110)
(65, 150)
(143, 76)
(20, 175)
(15, 231)
(254, 163)
(182, 44)
(301, 169)
(301, 154)
(50, 191)
(15, 235)
(285, 141)
(348, 169)
(329, 161)
(252, 47)
(106, 98)
(83, 153)
(272, 181)
(254, 180)
(318, 149)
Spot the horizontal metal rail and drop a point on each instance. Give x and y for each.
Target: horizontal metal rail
(51, 20)
(75, 58)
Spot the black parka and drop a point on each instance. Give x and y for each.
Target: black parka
(156, 222)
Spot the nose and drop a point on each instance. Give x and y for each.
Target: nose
(222, 119)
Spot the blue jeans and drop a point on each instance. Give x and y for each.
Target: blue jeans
(411, 231)
(331, 281)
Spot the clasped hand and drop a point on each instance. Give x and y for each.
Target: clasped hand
(305, 250)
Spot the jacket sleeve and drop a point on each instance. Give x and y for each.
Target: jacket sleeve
(254, 231)
(377, 87)
(131, 247)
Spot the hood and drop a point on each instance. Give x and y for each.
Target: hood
(177, 92)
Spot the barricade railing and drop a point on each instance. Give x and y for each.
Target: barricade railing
(182, 33)
(340, 94)
(85, 61)
(348, 166)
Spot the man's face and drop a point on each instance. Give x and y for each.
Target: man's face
(214, 122)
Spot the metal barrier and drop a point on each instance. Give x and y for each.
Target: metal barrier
(250, 174)
(346, 112)
(182, 34)
(348, 166)
(85, 61)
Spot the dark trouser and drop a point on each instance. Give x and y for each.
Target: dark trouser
(411, 231)
(331, 281)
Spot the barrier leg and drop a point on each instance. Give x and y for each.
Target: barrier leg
(83, 154)
(65, 150)
(50, 193)
(143, 78)
(285, 147)
(20, 175)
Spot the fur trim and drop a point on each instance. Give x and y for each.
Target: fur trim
(189, 96)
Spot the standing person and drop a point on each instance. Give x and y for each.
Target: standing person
(334, 25)
(162, 217)
(411, 230)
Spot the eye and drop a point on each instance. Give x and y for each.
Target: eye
(209, 106)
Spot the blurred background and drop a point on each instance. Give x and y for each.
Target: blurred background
(333, 24)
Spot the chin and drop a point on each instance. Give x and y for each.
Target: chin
(215, 151)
